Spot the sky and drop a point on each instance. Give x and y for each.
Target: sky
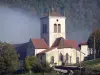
(18, 26)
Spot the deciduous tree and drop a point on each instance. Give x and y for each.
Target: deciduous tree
(95, 37)
(8, 59)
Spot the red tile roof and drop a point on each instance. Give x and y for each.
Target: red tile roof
(62, 43)
(53, 13)
(70, 44)
(83, 43)
(65, 43)
(39, 44)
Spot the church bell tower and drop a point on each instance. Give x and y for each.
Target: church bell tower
(52, 27)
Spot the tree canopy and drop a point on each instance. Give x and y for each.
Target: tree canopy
(95, 36)
(8, 59)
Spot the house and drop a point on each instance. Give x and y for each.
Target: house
(53, 47)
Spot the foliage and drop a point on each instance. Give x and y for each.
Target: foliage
(8, 59)
(30, 62)
(92, 64)
(95, 34)
(52, 73)
(42, 67)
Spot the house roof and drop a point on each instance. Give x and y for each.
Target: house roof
(61, 43)
(53, 13)
(83, 43)
(39, 43)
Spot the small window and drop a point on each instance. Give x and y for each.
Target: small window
(55, 28)
(59, 28)
(52, 60)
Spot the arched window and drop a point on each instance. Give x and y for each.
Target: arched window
(52, 60)
(59, 28)
(55, 28)
(66, 56)
(77, 60)
(61, 57)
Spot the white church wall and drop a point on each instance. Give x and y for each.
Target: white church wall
(80, 55)
(51, 53)
(84, 49)
(56, 53)
(38, 51)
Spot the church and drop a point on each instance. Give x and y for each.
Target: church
(53, 47)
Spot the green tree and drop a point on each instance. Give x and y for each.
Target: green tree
(95, 36)
(30, 62)
(8, 59)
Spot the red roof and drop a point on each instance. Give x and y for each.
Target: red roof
(39, 44)
(62, 43)
(83, 43)
(70, 44)
(53, 13)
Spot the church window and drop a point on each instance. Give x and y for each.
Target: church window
(61, 57)
(44, 28)
(55, 28)
(59, 28)
(77, 60)
(52, 60)
(67, 58)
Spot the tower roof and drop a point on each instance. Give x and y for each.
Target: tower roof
(53, 12)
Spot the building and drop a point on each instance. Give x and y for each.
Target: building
(53, 47)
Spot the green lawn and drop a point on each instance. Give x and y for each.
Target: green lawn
(93, 64)
(53, 73)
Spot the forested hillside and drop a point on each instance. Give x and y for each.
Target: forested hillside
(82, 15)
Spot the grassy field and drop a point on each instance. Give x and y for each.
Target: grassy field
(93, 64)
(52, 73)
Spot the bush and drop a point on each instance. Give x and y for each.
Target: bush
(42, 68)
(32, 64)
